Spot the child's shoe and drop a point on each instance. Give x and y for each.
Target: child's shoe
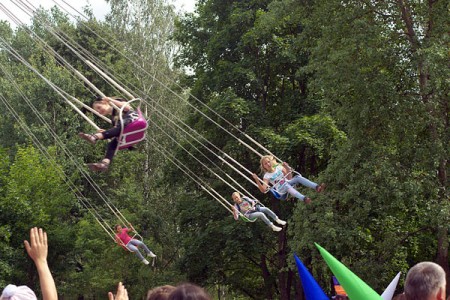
(275, 228)
(90, 138)
(281, 222)
(307, 200)
(320, 187)
(151, 254)
(98, 167)
(145, 261)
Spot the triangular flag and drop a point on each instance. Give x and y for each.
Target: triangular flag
(390, 290)
(310, 286)
(355, 288)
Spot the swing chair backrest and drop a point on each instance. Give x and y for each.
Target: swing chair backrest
(134, 132)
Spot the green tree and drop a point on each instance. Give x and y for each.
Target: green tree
(377, 67)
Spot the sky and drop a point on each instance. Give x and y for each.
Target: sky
(99, 7)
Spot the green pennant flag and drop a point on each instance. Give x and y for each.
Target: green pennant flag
(355, 288)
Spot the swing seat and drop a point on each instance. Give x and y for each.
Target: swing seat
(245, 219)
(134, 132)
(278, 195)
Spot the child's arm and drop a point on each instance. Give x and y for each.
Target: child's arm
(119, 104)
(262, 186)
(287, 171)
(235, 213)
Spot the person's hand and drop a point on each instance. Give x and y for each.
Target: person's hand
(255, 177)
(100, 130)
(121, 294)
(37, 248)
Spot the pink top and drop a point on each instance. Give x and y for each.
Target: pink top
(123, 236)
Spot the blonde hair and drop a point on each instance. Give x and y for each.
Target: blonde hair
(235, 193)
(263, 158)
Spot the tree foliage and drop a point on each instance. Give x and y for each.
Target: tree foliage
(350, 93)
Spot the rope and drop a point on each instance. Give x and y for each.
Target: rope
(177, 95)
(99, 191)
(58, 89)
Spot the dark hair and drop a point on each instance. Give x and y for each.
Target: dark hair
(160, 292)
(115, 226)
(189, 291)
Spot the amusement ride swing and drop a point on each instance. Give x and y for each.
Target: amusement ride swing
(131, 135)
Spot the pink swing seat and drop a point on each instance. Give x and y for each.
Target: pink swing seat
(133, 133)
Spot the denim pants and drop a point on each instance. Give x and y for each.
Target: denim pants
(298, 179)
(261, 212)
(133, 246)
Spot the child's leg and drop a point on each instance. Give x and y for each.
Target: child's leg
(295, 193)
(303, 181)
(141, 244)
(111, 150)
(134, 249)
(261, 216)
(268, 212)
(112, 132)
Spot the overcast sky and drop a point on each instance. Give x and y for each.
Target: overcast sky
(99, 7)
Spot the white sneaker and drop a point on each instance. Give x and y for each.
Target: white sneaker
(145, 261)
(275, 228)
(151, 254)
(281, 222)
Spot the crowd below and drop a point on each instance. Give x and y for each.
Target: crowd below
(424, 281)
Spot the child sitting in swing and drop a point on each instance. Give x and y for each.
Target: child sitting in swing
(131, 244)
(250, 209)
(280, 177)
(104, 107)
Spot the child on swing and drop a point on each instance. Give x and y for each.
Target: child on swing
(131, 244)
(104, 107)
(251, 210)
(280, 177)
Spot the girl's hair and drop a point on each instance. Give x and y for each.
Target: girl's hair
(235, 193)
(263, 158)
(160, 292)
(115, 226)
(189, 291)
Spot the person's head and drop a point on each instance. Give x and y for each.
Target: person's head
(266, 163)
(13, 292)
(188, 291)
(236, 197)
(118, 228)
(425, 281)
(160, 292)
(102, 106)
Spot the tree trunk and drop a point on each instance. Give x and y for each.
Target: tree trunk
(283, 280)
(268, 287)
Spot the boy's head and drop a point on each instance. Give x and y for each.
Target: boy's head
(236, 197)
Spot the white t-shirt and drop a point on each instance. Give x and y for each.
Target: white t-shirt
(276, 178)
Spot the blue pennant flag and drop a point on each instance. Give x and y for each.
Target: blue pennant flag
(310, 286)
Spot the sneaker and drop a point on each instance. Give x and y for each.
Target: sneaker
(145, 261)
(275, 228)
(98, 167)
(320, 187)
(151, 254)
(307, 200)
(88, 137)
(281, 222)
